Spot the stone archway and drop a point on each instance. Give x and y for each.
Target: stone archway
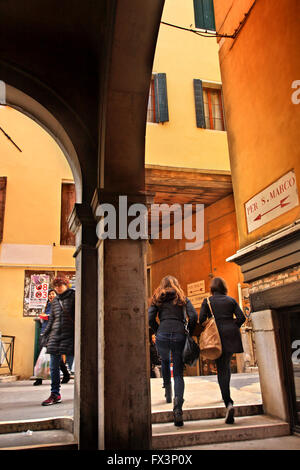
(89, 67)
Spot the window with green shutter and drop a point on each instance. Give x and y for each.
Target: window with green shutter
(158, 99)
(204, 14)
(208, 106)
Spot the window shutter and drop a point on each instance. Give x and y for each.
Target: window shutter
(67, 203)
(204, 14)
(199, 105)
(209, 14)
(161, 98)
(2, 204)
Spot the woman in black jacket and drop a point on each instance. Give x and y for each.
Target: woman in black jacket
(229, 318)
(59, 335)
(168, 302)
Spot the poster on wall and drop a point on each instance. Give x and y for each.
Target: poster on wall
(39, 285)
(34, 296)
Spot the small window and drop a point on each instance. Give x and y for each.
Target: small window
(204, 14)
(208, 106)
(158, 99)
(213, 109)
(67, 204)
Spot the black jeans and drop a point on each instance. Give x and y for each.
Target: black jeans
(224, 374)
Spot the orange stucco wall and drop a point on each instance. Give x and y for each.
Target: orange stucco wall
(258, 69)
(220, 241)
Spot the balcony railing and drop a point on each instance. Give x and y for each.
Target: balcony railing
(7, 344)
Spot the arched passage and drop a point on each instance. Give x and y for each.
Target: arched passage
(90, 68)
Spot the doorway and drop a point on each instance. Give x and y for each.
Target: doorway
(289, 320)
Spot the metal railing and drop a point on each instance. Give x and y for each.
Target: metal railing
(7, 344)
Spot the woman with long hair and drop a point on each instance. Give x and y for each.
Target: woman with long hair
(169, 302)
(229, 318)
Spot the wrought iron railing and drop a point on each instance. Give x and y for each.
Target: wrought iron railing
(7, 344)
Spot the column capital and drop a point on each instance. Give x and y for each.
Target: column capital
(101, 196)
(81, 215)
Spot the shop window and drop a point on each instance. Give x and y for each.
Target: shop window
(2, 204)
(67, 203)
(158, 99)
(204, 14)
(209, 107)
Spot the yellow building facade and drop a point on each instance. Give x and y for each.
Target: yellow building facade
(31, 225)
(185, 56)
(31, 240)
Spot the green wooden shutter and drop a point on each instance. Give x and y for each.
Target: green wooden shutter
(161, 98)
(199, 105)
(204, 14)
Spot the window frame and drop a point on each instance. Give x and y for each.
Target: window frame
(208, 89)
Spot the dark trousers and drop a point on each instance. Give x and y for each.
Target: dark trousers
(224, 374)
(172, 343)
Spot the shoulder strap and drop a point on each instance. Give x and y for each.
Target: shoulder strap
(185, 319)
(212, 313)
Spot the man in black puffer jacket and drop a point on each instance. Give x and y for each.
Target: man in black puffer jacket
(59, 335)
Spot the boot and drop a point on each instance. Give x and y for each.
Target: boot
(168, 393)
(177, 411)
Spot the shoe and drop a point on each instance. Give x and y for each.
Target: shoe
(177, 411)
(52, 400)
(66, 379)
(38, 382)
(229, 419)
(168, 393)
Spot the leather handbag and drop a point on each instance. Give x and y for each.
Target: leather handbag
(191, 350)
(210, 341)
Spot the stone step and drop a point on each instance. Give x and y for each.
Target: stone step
(39, 434)
(54, 439)
(209, 431)
(192, 414)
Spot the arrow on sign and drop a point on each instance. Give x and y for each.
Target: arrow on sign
(281, 204)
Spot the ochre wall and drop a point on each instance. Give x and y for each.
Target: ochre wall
(258, 69)
(184, 56)
(220, 241)
(32, 217)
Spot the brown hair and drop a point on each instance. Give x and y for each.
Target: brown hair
(169, 285)
(59, 280)
(218, 285)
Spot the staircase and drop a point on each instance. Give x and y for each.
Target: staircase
(207, 426)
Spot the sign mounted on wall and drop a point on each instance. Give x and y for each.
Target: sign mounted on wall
(196, 293)
(272, 202)
(196, 288)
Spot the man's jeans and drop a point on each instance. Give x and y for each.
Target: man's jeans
(173, 343)
(224, 374)
(55, 371)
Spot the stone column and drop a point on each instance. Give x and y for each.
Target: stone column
(266, 333)
(124, 368)
(83, 225)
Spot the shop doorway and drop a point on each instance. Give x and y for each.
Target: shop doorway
(290, 343)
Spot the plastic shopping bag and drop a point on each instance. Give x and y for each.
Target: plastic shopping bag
(42, 365)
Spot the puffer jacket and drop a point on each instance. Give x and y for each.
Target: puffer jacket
(59, 333)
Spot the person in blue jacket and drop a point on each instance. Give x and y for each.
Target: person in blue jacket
(168, 303)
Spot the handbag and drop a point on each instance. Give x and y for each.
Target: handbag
(42, 366)
(210, 341)
(191, 350)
